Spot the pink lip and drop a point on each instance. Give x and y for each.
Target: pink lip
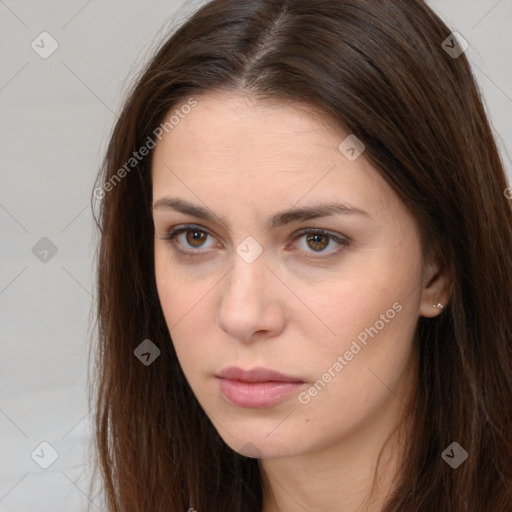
(256, 388)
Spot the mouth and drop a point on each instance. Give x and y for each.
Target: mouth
(257, 388)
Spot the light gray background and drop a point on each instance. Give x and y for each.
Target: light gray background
(56, 116)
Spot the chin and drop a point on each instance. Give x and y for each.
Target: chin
(262, 443)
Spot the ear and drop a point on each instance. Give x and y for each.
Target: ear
(436, 288)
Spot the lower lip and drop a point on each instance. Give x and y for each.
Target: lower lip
(257, 395)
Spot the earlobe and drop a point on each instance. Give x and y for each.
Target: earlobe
(436, 291)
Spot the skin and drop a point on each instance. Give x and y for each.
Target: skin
(298, 305)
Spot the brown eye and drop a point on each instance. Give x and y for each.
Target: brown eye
(187, 239)
(195, 238)
(318, 242)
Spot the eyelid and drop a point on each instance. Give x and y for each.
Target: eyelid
(341, 240)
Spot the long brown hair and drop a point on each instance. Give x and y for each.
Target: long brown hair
(381, 69)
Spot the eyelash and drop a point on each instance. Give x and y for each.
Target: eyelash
(174, 232)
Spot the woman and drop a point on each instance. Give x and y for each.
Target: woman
(304, 272)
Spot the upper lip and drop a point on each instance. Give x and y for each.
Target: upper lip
(255, 375)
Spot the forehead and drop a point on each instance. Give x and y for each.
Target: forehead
(230, 144)
(225, 125)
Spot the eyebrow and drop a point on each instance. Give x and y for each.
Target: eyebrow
(279, 219)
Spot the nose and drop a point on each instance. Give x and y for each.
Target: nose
(251, 306)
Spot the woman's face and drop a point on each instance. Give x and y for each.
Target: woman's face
(294, 257)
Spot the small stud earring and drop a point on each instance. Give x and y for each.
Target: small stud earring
(438, 305)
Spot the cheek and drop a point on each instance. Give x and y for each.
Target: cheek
(367, 332)
(166, 284)
(365, 367)
(180, 287)
(371, 315)
(184, 297)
